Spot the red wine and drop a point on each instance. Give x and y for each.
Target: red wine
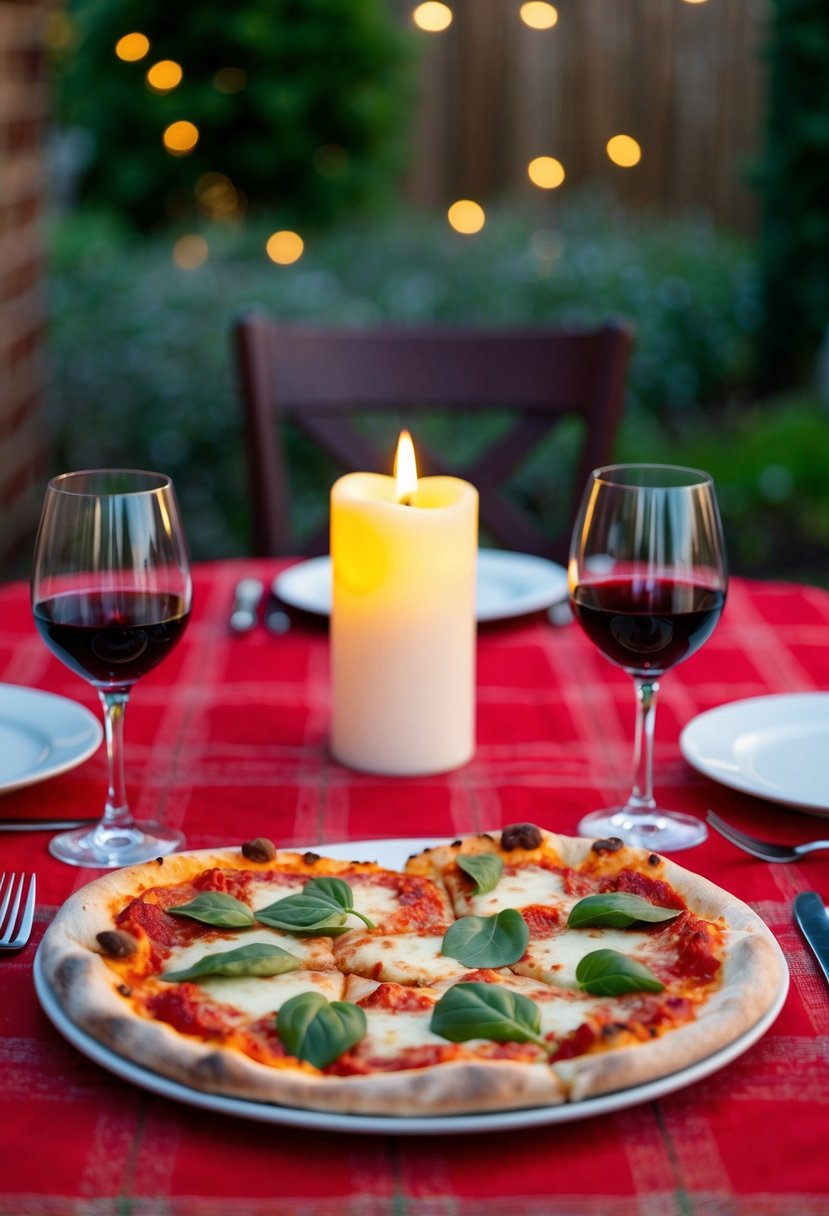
(111, 640)
(647, 626)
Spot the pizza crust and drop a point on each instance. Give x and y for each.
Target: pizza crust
(753, 975)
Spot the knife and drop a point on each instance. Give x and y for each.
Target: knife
(42, 825)
(811, 915)
(246, 599)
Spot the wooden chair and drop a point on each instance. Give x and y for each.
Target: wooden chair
(320, 377)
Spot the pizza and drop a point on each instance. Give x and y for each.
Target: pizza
(514, 968)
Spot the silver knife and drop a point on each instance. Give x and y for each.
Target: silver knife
(810, 913)
(42, 825)
(246, 599)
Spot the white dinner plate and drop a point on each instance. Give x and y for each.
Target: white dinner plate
(507, 585)
(393, 853)
(775, 747)
(42, 735)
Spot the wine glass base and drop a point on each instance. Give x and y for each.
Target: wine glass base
(105, 848)
(655, 829)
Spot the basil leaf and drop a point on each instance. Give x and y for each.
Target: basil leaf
(487, 941)
(487, 1011)
(296, 914)
(618, 910)
(338, 893)
(216, 908)
(485, 868)
(315, 1029)
(320, 907)
(258, 958)
(609, 973)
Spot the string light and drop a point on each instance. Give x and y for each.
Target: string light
(181, 137)
(432, 17)
(546, 172)
(285, 247)
(466, 216)
(190, 251)
(217, 196)
(132, 47)
(624, 151)
(164, 76)
(537, 15)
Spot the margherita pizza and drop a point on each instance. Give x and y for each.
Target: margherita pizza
(509, 969)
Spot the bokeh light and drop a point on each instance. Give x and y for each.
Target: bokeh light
(624, 151)
(217, 197)
(546, 172)
(285, 247)
(538, 15)
(132, 47)
(432, 17)
(190, 251)
(181, 137)
(466, 216)
(164, 75)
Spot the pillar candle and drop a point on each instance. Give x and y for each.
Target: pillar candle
(403, 624)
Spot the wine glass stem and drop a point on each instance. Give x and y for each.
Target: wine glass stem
(116, 811)
(641, 797)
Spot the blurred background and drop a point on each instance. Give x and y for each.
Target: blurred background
(164, 167)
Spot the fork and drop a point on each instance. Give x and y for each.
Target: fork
(765, 849)
(15, 926)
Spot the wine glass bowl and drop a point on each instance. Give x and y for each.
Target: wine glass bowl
(111, 595)
(647, 579)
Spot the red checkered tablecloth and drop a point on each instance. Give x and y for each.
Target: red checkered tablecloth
(229, 740)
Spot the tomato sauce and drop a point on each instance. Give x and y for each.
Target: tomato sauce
(653, 889)
(181, 1007)
(541, 920)
(397, 998)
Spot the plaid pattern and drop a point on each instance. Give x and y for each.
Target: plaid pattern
(228, 740)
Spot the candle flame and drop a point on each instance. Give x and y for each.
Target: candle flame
(405, 468)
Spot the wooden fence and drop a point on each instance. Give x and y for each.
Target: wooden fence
(684, 79)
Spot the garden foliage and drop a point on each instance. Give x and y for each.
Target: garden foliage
(142, 361)
(794, 183)
(300, 107)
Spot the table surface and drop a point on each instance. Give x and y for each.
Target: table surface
(228, 740)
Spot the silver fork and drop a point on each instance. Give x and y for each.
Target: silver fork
(765, 849)
(16, 925)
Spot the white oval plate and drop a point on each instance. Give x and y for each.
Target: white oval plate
(393, 853)
(507, 585)
(42, 735)
(774, 747)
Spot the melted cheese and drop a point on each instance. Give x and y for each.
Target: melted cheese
(388, 1034)
(262, 894)
(554, 960)
(258, 995)
(407, 959)
(313, 952)
(375, 900)
(531, 885)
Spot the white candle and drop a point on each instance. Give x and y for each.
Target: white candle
(403, 623)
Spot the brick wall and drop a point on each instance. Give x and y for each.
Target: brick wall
(23, 437)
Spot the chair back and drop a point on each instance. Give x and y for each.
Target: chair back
(320, 378)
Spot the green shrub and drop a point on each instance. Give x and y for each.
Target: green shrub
(307, 121)
(769, 464)
(793, 178)
(141, 357)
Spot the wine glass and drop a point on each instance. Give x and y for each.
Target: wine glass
(647, 579)
(111, 596)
